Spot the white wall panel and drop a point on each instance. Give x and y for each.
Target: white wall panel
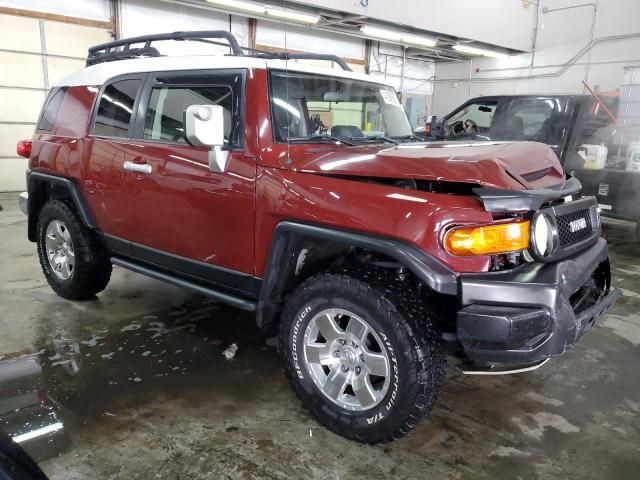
(91, 9)
(140, 17)
(21, 70)
(19, 33)
(20, 105)
(72, 40)
(308, 40)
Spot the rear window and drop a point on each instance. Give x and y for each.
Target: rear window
(51, 109)
(115, 110)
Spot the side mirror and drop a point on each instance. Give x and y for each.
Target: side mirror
(204, 127)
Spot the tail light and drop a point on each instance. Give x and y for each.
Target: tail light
(24, 148)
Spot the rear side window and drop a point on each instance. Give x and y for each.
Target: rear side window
(115, 111)
(167, 105)
(51, 109)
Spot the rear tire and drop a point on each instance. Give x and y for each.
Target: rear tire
(73, 259)
(321, 356)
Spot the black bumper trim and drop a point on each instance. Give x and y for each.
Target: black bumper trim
(541, 290)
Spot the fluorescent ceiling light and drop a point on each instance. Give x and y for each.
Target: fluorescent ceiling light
(399, 37)
(238, 5)
(479, 51)
(246, 7)
(295, 16)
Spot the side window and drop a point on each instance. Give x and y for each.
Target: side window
(531, 119)
(116, 109)
(473, 119)
(51, 109)
(164, 119)
(170, 96)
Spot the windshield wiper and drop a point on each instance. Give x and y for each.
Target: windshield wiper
(375, 137)
(408, 137)
(314, 138)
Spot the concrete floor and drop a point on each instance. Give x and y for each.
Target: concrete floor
(138, 380)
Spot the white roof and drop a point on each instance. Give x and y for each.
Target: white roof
(96, 75)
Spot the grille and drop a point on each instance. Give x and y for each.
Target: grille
(567, 237)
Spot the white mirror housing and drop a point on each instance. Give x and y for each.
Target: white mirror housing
(204, 127)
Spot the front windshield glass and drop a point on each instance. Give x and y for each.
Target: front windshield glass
(308, 107)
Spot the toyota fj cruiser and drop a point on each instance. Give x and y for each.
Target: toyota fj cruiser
(300, 193)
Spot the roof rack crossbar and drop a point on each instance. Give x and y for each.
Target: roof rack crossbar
(304, 56)
(106, 52)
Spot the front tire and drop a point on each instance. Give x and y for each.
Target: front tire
(73, 259)
(362, 353)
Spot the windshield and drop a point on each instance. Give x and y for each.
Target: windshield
(307, 107)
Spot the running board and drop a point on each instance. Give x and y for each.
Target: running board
(239, 302)
(494, 370)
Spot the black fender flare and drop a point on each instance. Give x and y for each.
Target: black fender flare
(285, 245)
(36, 185)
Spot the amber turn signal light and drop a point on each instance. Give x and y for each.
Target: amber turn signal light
(488, 239)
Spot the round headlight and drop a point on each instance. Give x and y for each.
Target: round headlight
(543, 235)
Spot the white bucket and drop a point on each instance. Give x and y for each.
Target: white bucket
(596, 156)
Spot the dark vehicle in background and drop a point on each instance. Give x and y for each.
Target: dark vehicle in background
(580, 129)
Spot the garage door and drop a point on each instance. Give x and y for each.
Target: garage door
(34, 53)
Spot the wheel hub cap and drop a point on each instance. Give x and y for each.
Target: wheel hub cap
(59, 249)
(346, 359)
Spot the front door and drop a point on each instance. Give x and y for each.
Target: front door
(184, 216)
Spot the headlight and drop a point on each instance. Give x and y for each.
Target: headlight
(544, 236)
(488, 239)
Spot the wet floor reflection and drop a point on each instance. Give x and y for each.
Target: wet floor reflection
(82, 373)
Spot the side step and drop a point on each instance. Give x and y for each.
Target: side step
(470, 369)
(238, 302)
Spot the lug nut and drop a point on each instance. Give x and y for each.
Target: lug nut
(342, 341)
(358, 369)
(345, 368)
(336, 353)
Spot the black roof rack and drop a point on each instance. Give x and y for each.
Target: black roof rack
(303, 56)
(108, 52)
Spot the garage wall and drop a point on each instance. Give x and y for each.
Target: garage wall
(34, 53)
(560, 36)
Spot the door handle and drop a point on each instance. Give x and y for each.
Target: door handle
(137, 167)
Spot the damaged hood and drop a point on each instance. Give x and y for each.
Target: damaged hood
(503, 165)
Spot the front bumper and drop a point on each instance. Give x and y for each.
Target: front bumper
(526, 315)
(23, 202)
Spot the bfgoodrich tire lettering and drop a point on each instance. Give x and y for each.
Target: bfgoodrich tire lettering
(401, 319)
(91, 267)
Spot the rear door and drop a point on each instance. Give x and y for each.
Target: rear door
(184, 216)
(111, 130)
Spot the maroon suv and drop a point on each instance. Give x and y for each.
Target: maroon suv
(300, 193)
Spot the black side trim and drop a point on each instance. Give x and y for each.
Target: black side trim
(220, 277)
(499, 201)
(288, 239)
(233, 300)
(36, 182)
